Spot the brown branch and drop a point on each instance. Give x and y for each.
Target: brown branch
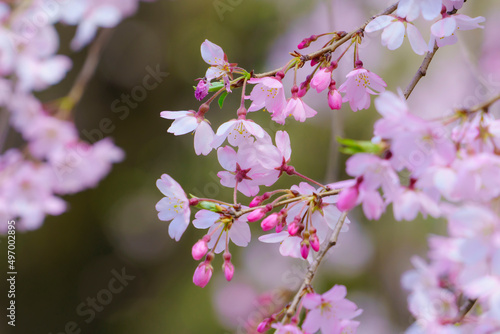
(86, 73)
(422, 71)
(335, 45)
(484, 105)
(313, 267)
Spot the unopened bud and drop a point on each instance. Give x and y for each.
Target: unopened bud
(199, 249)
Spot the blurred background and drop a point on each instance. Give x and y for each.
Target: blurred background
(112, 233)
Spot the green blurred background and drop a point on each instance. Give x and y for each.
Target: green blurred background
(114, 227)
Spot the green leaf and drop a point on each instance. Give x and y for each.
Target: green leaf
(222, 98)
(351, 146)
(215, 86)
(211, 206)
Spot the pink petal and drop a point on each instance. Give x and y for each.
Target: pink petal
(211, 53)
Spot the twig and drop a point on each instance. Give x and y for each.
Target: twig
(334, 46)
(240, 213)
(484, 105)
(422, 71)
(313, 267)
(87, 71)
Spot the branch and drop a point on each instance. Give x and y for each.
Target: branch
(334, 46)
(313, 267)
(86, 73)
(484, 105)
(422, 71)
(240, 213)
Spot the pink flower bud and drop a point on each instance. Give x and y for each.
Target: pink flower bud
(347, 199)
(304, 44)
(304, 249)
(294, 227)
(314, 241)
(199, 249)
(201, 90)
(257, 214)
(202, 274)
(255, 201)
(228, 270)
(334, 99)
(264, 325)
(269, 222)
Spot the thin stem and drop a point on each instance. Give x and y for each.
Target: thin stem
(313, 267)
(235, 193)
(308, 179)
(334, 46)
(422, 71)
(484, 105)
(243, 92)
(240, 213)
(87, 72)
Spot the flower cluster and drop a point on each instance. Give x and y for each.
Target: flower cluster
(55, 160)
(417, 165)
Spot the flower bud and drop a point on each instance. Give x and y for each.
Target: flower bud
(264, 325)
(314, 241)
(199, 249)
(257, 214)
(334, 99)
(202, 274)
(201, 90)
(228, 269)
(269, 222)
(304, 249)
(347, 199)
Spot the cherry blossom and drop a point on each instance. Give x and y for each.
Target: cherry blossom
(394, 31)
(268, 92)
(443, 31)
(328, 310)
(295, 107)
(174, 206)
(213, 55)
(359, 85)
(411, 9)
(188, 121)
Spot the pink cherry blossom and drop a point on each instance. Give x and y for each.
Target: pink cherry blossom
(213, 55)
(174, 206)
(443, 31)
(79, 166)
(49, 135)
(286, 329)
(394, 31)
(359, 85)
(188, 121)
(241, 171)
(27, 192)
(321, 79)
(269, 93)
(328, 310)
(295, 107)
(408, 203)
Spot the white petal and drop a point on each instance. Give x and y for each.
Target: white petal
(380, 22)
(417, 42)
